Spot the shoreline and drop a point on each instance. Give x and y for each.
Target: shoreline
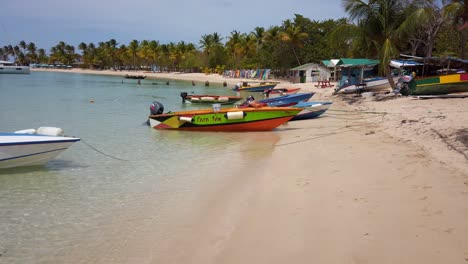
(368, 182)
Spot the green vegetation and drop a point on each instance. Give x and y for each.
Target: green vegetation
(377, 29)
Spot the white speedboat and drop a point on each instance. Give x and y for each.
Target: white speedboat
(30, 147)
(10, 67)
(371, 84)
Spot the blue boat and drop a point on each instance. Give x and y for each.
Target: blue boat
(286, 100)
(311, 110)
(280, 101)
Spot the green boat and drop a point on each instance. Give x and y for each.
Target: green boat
(434, 76)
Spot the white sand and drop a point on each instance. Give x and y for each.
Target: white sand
(349, 187)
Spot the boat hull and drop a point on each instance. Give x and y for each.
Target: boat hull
(311, 110)
(452, 83)
(375, 84)
(255, 88)
(285, 91)
(15, 70)
(287, 100)
(27, 150)
(225, 120)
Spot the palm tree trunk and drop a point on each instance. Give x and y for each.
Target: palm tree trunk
(297, 58)
(390, 76)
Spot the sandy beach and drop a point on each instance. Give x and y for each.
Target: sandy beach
(369, 182)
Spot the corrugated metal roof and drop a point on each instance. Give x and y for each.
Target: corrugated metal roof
(357, 62)
(304, 67)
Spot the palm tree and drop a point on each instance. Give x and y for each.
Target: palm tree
(207, 43)
(32, 52)
(133, 49)
(294, 37)
(381, 27)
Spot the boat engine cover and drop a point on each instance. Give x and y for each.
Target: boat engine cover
(156, 108)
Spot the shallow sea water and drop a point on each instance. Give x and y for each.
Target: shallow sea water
(124, 178)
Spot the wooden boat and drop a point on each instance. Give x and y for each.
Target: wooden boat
(436, 85)
(209, 99)
(32, 147)
(283, 91)
(254, 87)
(221, 120)
(280, 101)
(311, 110)
(434, 76)
(140, 77)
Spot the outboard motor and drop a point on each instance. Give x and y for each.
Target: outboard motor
(247, 102)
(403, 85)
(250, 98)
(267, 92)
(184, 96)
(156, 108)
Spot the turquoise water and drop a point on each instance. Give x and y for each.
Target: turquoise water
(122, 173)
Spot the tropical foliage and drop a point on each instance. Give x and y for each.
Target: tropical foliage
(379, 29)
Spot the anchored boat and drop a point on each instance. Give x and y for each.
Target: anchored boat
(209, 99)
(10, 67)
(254, 87)
(221, 119)
(32, 147)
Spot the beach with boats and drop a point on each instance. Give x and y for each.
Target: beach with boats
(389, 168)
(334, 141)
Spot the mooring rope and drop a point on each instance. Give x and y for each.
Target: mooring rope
(97, 150)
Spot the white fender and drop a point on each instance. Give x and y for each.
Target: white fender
(235, 115)
(223, 99)
(50, 131)
(185, 119)
(207, 99)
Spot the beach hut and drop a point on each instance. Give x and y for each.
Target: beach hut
(332, 65)
(356, 70)
(310, 72)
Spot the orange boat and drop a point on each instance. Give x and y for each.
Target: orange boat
(221, 119)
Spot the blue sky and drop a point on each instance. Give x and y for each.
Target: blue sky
(46, 22)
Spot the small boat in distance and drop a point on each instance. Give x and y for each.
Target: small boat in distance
(222, 119)
(209, 99)
(282, 91)
(280, 101)
(32, 147)
(140, 77)
(254, 87)
(10, 67)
